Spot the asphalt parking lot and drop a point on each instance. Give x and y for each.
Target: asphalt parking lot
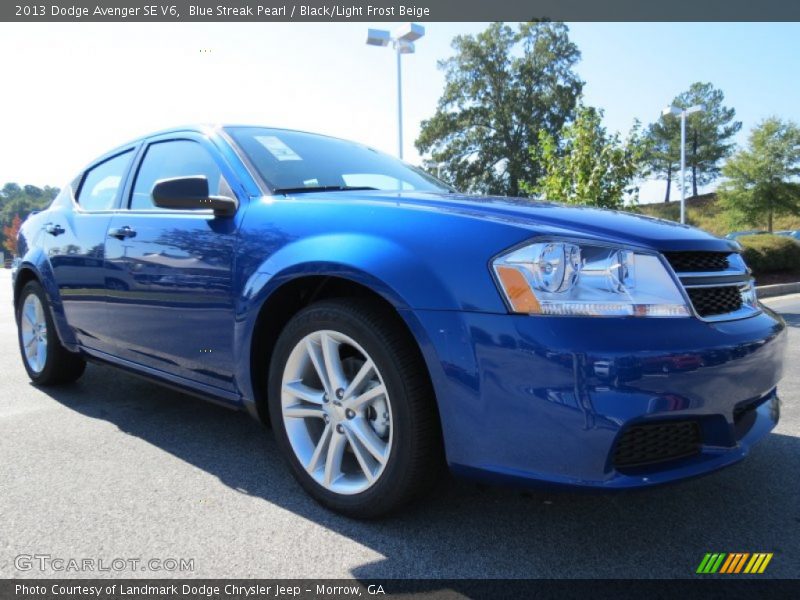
(115, 467)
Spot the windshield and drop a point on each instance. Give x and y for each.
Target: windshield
(295, 162)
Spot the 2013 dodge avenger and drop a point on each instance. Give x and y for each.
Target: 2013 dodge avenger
(386, 325)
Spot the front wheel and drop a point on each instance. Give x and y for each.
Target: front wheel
(354, 410)
(46, 360)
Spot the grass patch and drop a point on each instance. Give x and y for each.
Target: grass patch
(706, 213)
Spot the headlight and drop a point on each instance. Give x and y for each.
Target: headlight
(564, 278)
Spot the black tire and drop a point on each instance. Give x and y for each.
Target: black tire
(61, 365)
(416, 456)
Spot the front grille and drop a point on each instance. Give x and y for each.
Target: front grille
(718, 283)
(642, 445)
(710, 301)
(698, 262)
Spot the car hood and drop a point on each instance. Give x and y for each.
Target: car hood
(549, 218)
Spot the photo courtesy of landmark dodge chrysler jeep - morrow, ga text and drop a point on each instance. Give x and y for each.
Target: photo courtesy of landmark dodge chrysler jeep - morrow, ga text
(387, 325)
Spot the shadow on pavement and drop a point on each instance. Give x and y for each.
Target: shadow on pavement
(464, 530)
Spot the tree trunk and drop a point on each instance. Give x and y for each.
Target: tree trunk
(769, 220)
(669, 182)
(694, 163)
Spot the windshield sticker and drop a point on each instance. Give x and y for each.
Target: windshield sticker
(277, 148)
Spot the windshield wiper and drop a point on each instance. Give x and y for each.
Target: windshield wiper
(321, 188)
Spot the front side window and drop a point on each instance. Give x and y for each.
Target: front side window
(296, 161)
(176, 158)
(101, 183)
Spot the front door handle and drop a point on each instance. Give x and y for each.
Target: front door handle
(121, 232)
(54, 229)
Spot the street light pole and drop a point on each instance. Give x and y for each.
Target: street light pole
(399, 106)
(403, 43)
(674, 110)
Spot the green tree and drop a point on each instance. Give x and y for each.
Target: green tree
(761, 179)
(502, 87)
(588, 166)
(16, 200)
(10, 190)
(709, 137)
(662, 158)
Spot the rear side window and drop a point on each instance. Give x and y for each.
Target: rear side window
(177, 158)
(101, 183)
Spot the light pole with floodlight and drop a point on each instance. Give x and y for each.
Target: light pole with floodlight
(682, 112)
(403, 43)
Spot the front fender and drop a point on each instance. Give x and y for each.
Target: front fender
(405, 282)
(37, 263)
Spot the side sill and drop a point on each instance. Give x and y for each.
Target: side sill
(179, 384)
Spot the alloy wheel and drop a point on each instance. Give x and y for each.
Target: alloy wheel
(34, 333)
(337, 412)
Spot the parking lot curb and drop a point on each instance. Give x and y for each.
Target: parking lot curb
(778, 289)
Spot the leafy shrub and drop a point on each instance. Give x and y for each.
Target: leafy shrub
(771, 253)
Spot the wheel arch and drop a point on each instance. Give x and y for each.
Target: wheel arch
(36, 267)
(301, 290)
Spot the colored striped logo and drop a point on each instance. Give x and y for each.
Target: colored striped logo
(735, 562)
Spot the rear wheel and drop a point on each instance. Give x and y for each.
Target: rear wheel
(46, 360)
(355, 413)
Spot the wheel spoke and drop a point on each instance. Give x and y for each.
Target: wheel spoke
(369, 439)
(303, 411)
(358, 451)
(333, 362)
(298, 389)
(30, 313)
(358, 402)
(39, 312)
(321, 448)
(315, 354)
(27, 337)
(366, 369)
(333, 462)
(41, 355)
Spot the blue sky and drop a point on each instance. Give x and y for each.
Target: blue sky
(73, 91)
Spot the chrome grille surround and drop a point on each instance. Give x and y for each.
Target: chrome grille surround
(708, 293)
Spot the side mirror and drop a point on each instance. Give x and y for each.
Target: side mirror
(191, 193)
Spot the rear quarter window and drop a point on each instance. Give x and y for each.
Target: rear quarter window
(101, 184)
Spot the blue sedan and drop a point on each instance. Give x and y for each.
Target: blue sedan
(387, 325)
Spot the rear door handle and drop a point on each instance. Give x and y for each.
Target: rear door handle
(121, 232)
(54, 229)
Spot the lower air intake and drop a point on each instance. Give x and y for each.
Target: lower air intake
(649, 444)
(715, 300)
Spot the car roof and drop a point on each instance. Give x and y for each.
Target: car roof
(199, 128)
(204, 128)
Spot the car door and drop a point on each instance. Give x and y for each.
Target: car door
(75, 239)
(169, 273)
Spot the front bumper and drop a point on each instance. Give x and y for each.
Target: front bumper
(549, 398)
